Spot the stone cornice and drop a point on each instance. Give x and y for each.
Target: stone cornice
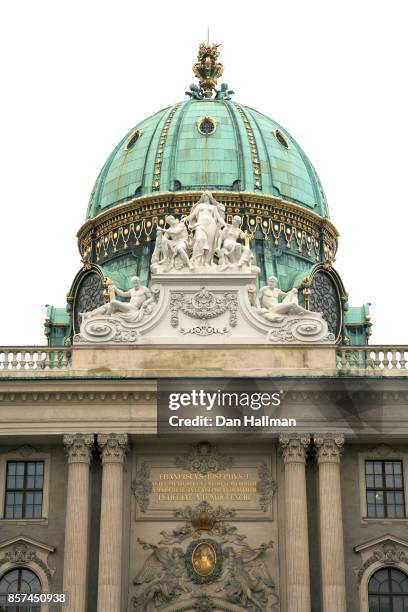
(28, 541)
(78, 396)
(380, 541)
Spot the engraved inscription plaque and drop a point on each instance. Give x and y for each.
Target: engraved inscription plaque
(161, 488)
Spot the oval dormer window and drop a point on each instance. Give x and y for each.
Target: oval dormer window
(206, 126)
(133, 139)
(281, 139)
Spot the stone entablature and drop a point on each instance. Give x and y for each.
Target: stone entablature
(66, 406)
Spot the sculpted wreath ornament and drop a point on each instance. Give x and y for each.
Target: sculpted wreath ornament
(204, 305)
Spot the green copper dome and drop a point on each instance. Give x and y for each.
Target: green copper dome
(219, 145)
(253, 168)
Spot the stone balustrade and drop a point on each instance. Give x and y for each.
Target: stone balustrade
(18, 359)
(384, 360)
(378, 360)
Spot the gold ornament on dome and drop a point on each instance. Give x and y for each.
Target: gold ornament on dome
(207, 69)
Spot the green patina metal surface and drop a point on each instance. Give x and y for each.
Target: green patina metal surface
(172, 155)
(357, 323)
(57, 325)
(241, 150)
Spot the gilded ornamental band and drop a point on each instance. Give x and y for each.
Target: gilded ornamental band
(285, 223)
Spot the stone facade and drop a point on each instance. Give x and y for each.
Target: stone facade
(105, 527)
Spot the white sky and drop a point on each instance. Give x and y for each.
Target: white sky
(77, 75)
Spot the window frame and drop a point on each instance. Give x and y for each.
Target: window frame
(20, 569)
(24, 455)
(25, 490)
(381, 453)
(390, 595)
(383, 488)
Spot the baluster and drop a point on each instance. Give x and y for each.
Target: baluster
(343, 358)
(377, 360)
(65, 359)
(30, 361)
(369, 360)
(24, 360)
(360, 360)
(14, 360)
(403, 361)
(394, 359)
(386, 360)
(46, 363)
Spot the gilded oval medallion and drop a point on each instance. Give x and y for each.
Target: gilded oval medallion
(204, 559)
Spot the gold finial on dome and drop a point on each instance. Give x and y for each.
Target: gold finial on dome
(207, 69)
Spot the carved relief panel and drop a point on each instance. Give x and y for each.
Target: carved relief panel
(203, 534)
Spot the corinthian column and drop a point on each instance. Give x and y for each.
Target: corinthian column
(331, 522)
(293, 449)
(76, 521)
(113, 448)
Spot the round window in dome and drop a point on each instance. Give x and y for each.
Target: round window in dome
(206, 126)
(133, 139)
(281, 139)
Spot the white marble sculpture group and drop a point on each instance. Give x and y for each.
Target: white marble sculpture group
(211, 246)
(203, 286)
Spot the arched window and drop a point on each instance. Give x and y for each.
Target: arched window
(19, 580)
(388, 591)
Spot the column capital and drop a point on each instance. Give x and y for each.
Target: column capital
(78, 447)
(329, 447)
(293, 447)
(113, 447)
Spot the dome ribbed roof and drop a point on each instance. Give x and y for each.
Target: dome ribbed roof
(219, 145)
